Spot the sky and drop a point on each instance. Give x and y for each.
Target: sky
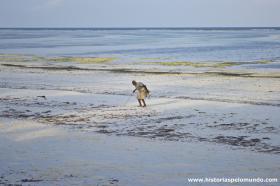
(139, 13)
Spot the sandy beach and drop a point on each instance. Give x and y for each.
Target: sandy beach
(72, 123)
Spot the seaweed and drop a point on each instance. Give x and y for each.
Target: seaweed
(206, 64)
(82, 59)
(35, 58)
(193, 64)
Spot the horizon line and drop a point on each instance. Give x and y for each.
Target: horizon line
(148, 27)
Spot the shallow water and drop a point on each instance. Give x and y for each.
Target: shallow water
(132, 45)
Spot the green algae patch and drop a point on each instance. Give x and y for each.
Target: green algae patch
(35, 58)
(20, 58)
(196, 65)
(225, 64)
(13, 58)
(89, 60)
(38, 58)
(156, 58)
(264, 62)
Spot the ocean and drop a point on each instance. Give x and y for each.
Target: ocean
(157, 44)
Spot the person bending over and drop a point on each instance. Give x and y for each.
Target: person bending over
(142, 92)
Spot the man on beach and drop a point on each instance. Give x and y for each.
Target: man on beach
(142, 92)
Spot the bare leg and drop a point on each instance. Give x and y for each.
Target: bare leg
(144, 104)
(139, 101)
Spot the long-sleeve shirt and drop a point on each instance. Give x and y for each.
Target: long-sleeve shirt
(139, 85)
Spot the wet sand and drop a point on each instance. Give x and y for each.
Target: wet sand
(36, 154)
(83, 127)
